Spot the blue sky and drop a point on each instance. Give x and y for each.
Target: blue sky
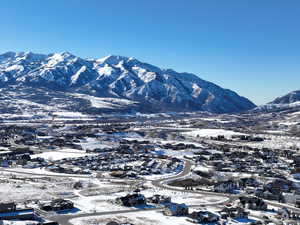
(249, 46)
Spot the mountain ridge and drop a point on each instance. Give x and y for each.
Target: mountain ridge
(291, 97)
(119, 77)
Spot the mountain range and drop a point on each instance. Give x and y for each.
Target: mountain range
(109, 83)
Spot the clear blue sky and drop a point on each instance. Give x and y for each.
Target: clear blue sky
(249, 46)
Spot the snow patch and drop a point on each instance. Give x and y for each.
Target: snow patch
(75, 77)
(212, 133)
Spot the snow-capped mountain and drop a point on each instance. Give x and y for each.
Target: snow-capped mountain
(285, 104)
(291, 97)
(283, 113)
(143, 87)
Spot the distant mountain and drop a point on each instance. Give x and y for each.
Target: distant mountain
(112, 82)
(291, 97)
(287, 103)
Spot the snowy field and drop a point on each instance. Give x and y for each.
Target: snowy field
(212, 133)
(93, 143)
(106, 103)
(275, 141)
(21, 189)
(61, 154)
(140, 218)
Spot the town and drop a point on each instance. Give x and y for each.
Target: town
(187, 169)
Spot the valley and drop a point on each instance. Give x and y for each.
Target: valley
(210, 163)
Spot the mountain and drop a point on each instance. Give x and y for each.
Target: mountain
(289, 103)
(291, 97)
(115, 81)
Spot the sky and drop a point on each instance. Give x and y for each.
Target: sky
(249, 46)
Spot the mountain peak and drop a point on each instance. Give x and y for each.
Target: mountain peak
(113, 59)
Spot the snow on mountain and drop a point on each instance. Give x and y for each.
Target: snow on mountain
(106, 103)
(116, 77)
(287, 103)
(291, 97)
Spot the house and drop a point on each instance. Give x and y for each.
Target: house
(286, 214)
(279, 185)
(248, 181)
(174, 209)
(269, 194)
(204, 217)
(225, 186)
(253, 203)
(132, 200)
(159, 199)
(57, 205)
(233, 212)
(291, 198)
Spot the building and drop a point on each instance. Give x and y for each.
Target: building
(174, 209)
(253, 203)
(233, 212)
(132, 200)
(57, 205)
(159, 199)
(226, 186)
(204, 217)
(291, 198)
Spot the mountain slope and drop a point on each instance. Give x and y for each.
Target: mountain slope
(149, 88)
(291, 97)
(286, 104)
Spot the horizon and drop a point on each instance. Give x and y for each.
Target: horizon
(249, 47)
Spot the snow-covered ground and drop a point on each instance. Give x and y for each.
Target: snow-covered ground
(68, 114)
(62, 154)
(41, 171)
(136, 218)
(20, 190)
(212, 133)
(106, 103)
(93, 143)
(275, 141)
